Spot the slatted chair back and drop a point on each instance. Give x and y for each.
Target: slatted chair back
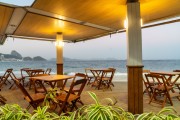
(147, 90)
(13, 77)
(143, 76)
(79, 79)
(112, 72)
(48, 71)
(5, 77)
(3, 80)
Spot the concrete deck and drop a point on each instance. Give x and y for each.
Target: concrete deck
(119, 92)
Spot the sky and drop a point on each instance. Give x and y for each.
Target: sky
(161, 42)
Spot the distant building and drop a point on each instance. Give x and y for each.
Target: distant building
(2, 57)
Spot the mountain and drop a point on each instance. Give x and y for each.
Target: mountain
(15, 53)
(27, 59)
(39, 58)
(15, 56)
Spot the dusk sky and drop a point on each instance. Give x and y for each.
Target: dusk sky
(161, 42)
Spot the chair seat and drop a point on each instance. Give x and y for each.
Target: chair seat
(72, 97)
(177, 83)
(75, 89)
(106, 78)
(175, 95)
(36, 97)
(162, 87)
(41, 90)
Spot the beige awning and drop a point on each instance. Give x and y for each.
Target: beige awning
(79, 20)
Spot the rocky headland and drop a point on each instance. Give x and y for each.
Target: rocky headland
(15, 56)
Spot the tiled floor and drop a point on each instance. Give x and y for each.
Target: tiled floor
(119, 93)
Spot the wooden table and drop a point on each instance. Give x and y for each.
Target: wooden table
(168, 76)
(52, 78)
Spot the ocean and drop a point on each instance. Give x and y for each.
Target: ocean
(72, 67)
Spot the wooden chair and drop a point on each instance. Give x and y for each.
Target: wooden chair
(78, 76)
(73, 94)
(177, 84)
(24, 74)
(147, 83)
(103, 78)
(48, 71)
(3, 79)
(89, 75)
(161, 89)
(107, 77)
(33, 99)
(7, 72)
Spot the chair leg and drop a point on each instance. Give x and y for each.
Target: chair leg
(164, 102)
(62, 108)
(148, 92)
(89, 81)
(99, 85)
(80, 102)
(2, 100)
(169, 97)
(74, 105)
(178, 97)
(28, 107)
(152, 96)
(8, 81)
(11, 86)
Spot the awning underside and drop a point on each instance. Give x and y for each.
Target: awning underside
(78, 20)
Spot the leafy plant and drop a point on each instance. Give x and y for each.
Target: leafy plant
(98, 111)
(42, 114)
(50, 97)
(13, 112)
(167, 113)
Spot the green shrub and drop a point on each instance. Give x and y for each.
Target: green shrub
(98, 111)
(95, 111)
(167, 113)
(42, 114)
(13, 112)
